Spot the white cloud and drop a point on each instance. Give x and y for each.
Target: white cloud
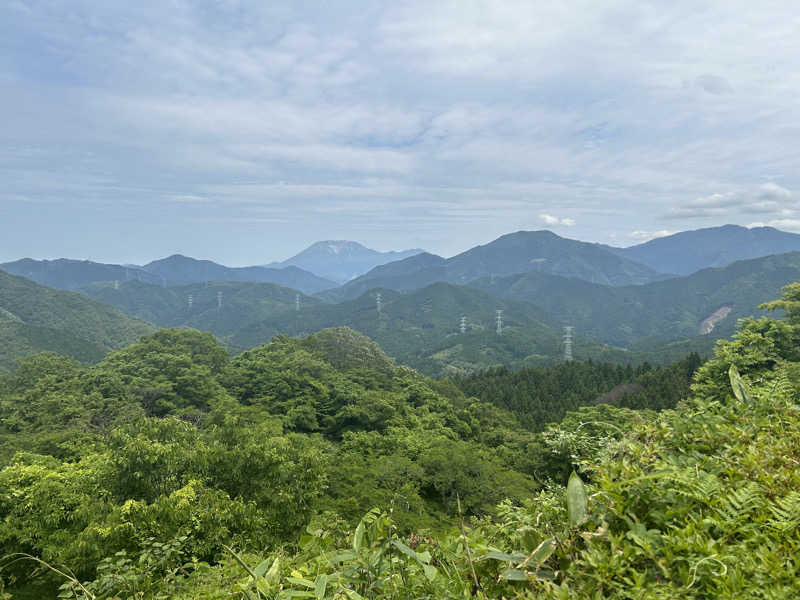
(552, 220)
(646, 236)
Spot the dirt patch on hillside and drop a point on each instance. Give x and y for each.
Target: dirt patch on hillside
(708, 324)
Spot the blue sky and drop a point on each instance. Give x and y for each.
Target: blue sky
(244, 131)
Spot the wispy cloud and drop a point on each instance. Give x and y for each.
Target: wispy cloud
(767, 199)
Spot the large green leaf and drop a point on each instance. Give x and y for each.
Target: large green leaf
(740, 389)
(576, 500)
(540, 554)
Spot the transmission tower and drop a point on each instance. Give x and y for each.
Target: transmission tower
(116, 284)
(568, 342)
(463, 325)
(499, 320)
(219, 299)
(378, 299)
(190, 301)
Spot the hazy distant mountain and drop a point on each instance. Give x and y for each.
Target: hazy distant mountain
(708, 302)
(340, 260)
(689, 251)
(34, 318)
(178, 269)
(66, 274)
(519, 252)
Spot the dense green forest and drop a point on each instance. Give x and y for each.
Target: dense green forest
(318, 468)
(538, 395)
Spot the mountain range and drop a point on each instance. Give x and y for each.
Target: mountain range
(177, 269)
(519, 252)
(623, 310)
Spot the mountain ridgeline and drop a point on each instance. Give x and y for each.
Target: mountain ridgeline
(173, 270)
(689, 251)
(520, 252)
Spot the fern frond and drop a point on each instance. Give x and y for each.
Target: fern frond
(703, 487)
(783, 386)
(786, 513)
(738, 504)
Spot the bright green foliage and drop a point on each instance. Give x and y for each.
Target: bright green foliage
(700, 501)
(789, 302)
(168, 439)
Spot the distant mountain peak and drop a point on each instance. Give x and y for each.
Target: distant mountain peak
(342, 260)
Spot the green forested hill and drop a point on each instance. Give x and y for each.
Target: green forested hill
(242, 303)
(67, 274)
(169, 439)
(421, 329)
(648, 315)
(35, 318)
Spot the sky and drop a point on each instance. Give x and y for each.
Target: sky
(243, 131)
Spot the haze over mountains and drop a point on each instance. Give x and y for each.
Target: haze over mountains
(689, 251)
(623, 309)
(341, 260)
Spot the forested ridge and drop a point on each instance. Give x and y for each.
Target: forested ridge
(34, 318)
(318, 468)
